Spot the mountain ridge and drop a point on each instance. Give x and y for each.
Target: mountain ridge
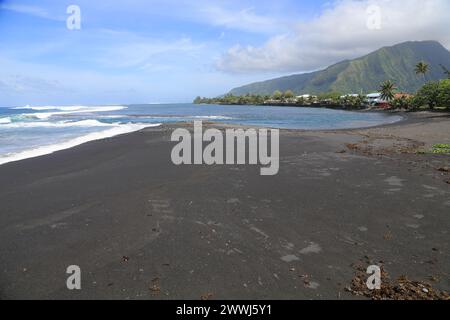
(395, 63)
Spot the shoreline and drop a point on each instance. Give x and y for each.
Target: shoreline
(132, 220)
(51, 149)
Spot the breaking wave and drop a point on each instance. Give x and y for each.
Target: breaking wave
(48, 149)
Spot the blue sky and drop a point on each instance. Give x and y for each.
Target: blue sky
(151, 51)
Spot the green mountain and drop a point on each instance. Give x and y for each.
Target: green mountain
(396, 63)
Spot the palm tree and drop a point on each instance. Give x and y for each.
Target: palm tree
(421, 68)
(387, 89)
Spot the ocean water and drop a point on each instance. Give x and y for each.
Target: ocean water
(27, 132)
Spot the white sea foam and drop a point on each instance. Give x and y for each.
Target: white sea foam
(5, 120)
(113, 116)
(40, 151)
(67, 110)
(59, 124)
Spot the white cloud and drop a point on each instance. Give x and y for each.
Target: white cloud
(341, 32)
(245, 19)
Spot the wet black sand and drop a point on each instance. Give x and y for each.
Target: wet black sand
(142, 228)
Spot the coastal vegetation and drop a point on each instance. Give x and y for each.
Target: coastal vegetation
(433, 95)
(387, 90)
(441, 148)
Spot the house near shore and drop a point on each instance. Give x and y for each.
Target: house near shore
(374, 98)
(306, 97)
(271, 101)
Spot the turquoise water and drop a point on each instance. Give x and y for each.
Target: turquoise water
(32, 131)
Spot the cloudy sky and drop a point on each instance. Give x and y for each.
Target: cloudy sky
(149, 51)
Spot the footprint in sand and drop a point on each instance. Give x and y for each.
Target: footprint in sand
(290, 258)
(312, 248)
(312, 285)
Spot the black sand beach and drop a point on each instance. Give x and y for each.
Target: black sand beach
(142, 228)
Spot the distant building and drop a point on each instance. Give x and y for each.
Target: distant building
(353, 95)
(306, 96)
(374, 98)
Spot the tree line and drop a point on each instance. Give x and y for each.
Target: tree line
(432, 95)
(287, 98)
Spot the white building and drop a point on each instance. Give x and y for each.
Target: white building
(373, 98)
(306, 96)
(353, 95)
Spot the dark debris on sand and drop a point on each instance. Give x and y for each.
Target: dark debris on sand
(155, 286)
(445, 171)
(399, 289)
